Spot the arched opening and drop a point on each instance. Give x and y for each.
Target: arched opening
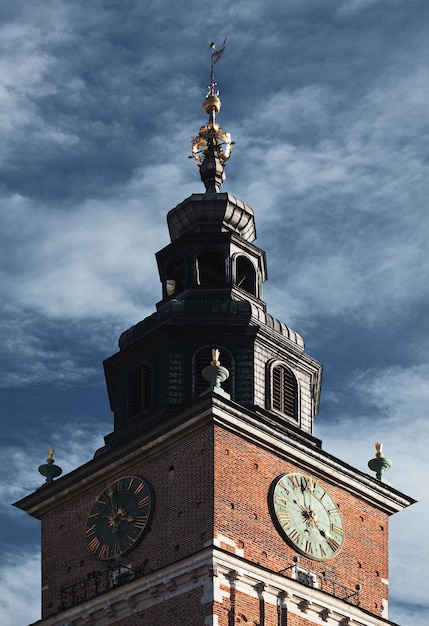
(284, 391)
(245, 275)
(175, 277)
(210, 267)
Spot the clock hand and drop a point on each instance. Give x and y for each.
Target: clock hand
(301, 506)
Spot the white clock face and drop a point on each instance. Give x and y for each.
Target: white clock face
(306, 516)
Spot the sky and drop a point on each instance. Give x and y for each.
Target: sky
(327, 101)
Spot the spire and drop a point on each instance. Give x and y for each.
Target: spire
(212, 147)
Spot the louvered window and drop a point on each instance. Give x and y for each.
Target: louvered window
(140, 390)
(202, 359)
(284, 391)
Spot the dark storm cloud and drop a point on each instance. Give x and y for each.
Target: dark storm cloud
(327, 103)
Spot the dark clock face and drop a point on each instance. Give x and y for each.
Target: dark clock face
(119, 517)
(306, 516)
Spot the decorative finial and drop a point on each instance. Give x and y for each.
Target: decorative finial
(49, 469)
(212, 148)
(378, 449)
(379, 464)
(215, 374)
(215, 357)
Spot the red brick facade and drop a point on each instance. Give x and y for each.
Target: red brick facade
(243, 474)
(211, 487)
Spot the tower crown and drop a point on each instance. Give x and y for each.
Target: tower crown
(212, 275)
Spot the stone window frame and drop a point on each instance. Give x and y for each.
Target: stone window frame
(236, 259)
(272, 366)
(140, 390)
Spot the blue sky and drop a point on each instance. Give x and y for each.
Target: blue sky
(327, 102)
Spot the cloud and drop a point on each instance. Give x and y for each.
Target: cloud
(328, 106)
(392, 408)
(19, 572)
(74, 441)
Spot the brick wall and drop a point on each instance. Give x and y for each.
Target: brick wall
(243, 475)
(182, 478)
(215, 484)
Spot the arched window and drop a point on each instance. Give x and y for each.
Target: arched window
(140, 390)
(210, 268)
(175, 279)
(245, 275)
(284, 391)
(203, 358)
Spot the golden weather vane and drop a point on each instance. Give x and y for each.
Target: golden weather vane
(211, 142)
(215, 57)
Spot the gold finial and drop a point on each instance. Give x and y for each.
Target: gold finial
(212, 147)
(215, 357)
(378, 449)
(215, 374)
(49, 469)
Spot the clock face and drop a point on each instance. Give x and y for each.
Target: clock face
(119, 517)
(306, 516)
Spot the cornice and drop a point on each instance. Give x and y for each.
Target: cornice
(196, 416)
(316, 460)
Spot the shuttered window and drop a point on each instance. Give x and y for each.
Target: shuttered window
(140, 390)
(284, 391)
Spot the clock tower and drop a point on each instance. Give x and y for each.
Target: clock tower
(212, 503)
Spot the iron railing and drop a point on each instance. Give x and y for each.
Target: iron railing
(96, 583)
(323, 582)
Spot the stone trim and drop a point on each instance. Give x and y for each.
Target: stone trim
(215, 572)
(227, 414)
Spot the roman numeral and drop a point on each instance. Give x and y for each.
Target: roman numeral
(337, 529)
(140, 521)
(295, 536)
(333, 544)
(322, 551)
(332, 512)
(118, 485)
(320, 497)
(295, 480)
(139, 488)
(143, 502)
(311, 485)
(309, 547)
(104, 551)
(284, 518)
(94, 544)
(91, 529)
(283, 486)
